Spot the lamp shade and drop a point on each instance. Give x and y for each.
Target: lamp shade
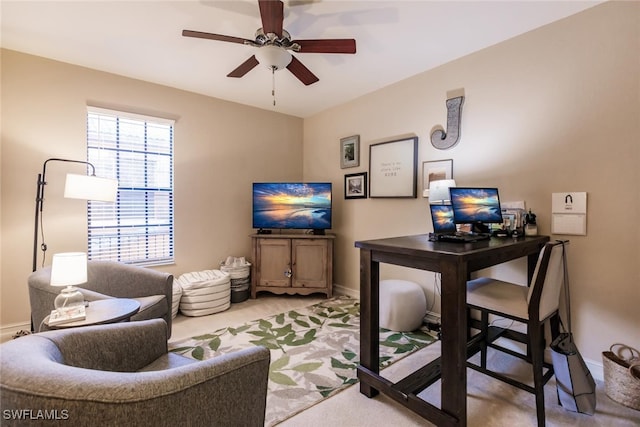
(90, 188)
(69, 268)
(273, 57)
(439, 190)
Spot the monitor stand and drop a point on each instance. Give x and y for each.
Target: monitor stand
(478, 227)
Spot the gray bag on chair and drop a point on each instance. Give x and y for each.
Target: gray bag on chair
(575, 384)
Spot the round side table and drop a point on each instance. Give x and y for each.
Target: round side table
(103, 311)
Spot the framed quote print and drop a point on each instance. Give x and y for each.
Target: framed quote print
(393, 168)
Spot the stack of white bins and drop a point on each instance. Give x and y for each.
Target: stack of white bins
(240, 272)
(204, 292)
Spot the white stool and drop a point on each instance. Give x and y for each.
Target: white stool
(204, 292)
(402, 305)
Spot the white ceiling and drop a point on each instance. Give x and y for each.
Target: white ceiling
(395, 40)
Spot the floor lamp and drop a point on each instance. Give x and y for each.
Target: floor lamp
(87, 187)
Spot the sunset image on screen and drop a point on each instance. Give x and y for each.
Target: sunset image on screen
(292, 205)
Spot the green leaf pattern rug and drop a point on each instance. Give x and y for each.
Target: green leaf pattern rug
(314, 352)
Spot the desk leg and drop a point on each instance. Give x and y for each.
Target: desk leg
(369, 318)
(454, 341)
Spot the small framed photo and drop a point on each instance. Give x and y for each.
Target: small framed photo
(435, 171)
(355, 186)
(350, 152)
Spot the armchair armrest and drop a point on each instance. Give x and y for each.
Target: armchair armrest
(41, 296)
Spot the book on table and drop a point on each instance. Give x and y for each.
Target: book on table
(67, 314)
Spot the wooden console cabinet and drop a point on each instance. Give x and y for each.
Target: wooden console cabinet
(292, 264)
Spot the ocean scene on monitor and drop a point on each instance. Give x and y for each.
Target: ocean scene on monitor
(292, 205)
(472, 205)
(442, 216)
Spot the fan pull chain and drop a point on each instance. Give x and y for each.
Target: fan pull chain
(273, 84)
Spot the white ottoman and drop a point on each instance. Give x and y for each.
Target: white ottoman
(402, 305)
(204, 292)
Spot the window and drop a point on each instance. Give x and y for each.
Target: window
(138, 152)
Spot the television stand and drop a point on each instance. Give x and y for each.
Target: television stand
(318, 232)
(292, 264)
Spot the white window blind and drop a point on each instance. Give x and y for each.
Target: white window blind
(138, 152)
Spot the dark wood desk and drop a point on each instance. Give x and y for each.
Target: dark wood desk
(454, 261)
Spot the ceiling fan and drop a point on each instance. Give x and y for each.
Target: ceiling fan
(275, 44)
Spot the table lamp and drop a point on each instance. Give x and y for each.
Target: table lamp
(68, 269)
(439, 191)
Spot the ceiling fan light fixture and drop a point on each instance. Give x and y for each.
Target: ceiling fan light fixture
(273, 57)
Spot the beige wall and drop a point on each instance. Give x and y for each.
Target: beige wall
(220, 149)
(555, 110)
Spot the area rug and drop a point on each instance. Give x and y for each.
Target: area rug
(314, 352)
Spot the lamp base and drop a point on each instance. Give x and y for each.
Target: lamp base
(69, 296)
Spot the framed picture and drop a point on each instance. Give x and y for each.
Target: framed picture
(435, 171)
(355, 186)
(393, 167)
(350, 152)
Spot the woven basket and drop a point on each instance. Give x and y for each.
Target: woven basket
(622, 375)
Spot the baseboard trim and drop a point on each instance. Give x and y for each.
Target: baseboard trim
(342, 290)
(7, 332)
(596, 369)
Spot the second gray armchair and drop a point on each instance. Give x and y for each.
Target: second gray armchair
(108, 279)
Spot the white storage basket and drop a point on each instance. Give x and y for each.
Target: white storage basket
(240, 272)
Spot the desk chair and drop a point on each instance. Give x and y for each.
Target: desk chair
(533, 306)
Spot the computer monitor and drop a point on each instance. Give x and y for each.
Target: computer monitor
(442, 218)
(476, 206)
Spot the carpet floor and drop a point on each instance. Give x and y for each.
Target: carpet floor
(490, 402)
(314, 351)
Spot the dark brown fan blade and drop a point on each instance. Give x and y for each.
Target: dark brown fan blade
(327, 46)
(301, 72)
(244, 68)
(211, 36)
(272, 14)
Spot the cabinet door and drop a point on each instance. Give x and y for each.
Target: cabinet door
(310, 261)
(275, 262)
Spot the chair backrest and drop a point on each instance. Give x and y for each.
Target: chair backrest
(544, 293)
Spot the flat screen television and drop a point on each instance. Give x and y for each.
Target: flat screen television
(476, 206)
(292, 205)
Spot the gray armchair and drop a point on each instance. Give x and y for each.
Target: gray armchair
(108, 279)
(122, 374)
